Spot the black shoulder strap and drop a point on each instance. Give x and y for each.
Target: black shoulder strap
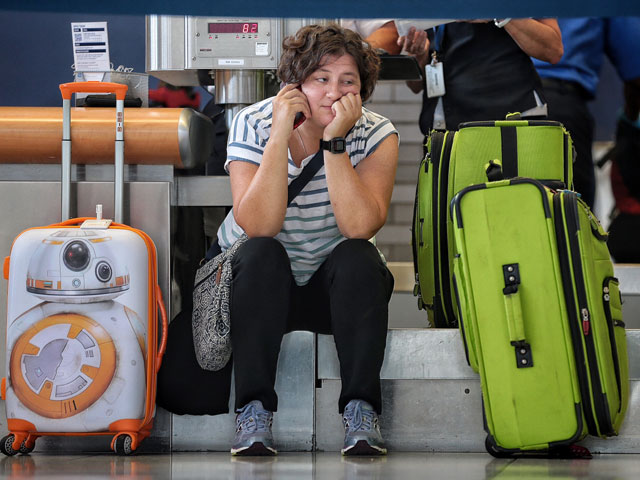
(295, 188)
(307, 174)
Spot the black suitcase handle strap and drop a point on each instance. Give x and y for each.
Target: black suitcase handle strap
(493, 169)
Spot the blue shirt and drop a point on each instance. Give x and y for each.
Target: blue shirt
(586, 40)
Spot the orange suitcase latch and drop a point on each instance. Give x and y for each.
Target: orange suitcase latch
(3, 388)
(5, 268)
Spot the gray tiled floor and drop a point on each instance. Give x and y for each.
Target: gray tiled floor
(319, 466)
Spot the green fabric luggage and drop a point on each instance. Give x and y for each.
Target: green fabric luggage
(540, 315)
(455, 160)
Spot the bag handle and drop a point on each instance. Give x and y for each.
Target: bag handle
(67, 89)
(515, 320)
(165, 328)
(493, 169)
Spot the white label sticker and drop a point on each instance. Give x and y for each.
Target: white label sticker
(262, 48)
(230, 61)
(435, 80)
(90, 47)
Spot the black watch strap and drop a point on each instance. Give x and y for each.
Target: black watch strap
(335, 145)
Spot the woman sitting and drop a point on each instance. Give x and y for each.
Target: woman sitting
(309, 265)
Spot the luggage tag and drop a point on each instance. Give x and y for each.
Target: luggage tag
(97, 223)
(434, 73)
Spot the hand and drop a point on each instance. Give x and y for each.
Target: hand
(416, 44)
(288, 102)
(347, 111)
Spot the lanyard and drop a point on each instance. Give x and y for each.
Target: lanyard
(439, 36)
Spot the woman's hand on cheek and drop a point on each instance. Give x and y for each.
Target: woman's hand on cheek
(347, 111)
(288, 102)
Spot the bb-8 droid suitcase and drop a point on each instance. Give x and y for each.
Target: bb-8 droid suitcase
(83, 300)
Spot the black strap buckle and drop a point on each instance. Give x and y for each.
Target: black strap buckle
(524, 359)
(511, 274)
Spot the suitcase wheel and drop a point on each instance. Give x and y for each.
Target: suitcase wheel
(6, 445)
(25, 448)
(493, 450)
(122, 445)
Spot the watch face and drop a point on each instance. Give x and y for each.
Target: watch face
(339, 145)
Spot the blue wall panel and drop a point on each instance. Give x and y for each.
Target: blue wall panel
(37, 52)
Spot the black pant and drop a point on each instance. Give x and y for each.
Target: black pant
(623, 238)
(567, 103)
(348, 297)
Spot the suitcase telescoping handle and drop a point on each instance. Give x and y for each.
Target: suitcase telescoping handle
(68, 89)
(515, 320)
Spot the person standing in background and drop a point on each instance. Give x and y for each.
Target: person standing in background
(572, 82)
(484, 67)
(625, 180)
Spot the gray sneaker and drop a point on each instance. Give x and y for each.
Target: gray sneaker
(253, 431)
(361, 430)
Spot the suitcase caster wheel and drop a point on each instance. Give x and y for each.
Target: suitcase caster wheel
(123, 445)
(493, 451)
(24, 449)
(5, 445)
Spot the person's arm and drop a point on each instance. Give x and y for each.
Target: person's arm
(416, 44)
(385, 37)
(538, 38)
(359, 196)
(260, 192)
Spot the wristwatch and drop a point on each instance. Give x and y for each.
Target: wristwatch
(335, 145)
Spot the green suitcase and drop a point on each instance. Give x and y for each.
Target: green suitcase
(455, 160)
(540, 316)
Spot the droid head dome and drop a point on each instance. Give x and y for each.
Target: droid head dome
(77, 266)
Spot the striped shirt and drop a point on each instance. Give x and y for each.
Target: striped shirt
(309, 232)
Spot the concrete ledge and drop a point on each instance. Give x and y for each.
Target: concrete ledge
(432, 354)
(432, 400)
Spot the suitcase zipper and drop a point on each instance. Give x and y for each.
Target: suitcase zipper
(566, 160)
(435, 155)
(414, 247)
(606, 299)
(567, 285)
(446, 307)
(585, 321)
(599, 399)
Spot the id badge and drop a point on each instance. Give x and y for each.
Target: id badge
(435, 80)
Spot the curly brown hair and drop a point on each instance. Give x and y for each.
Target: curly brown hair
(303, 52)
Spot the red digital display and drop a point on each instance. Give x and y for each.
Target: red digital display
(233, 28)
